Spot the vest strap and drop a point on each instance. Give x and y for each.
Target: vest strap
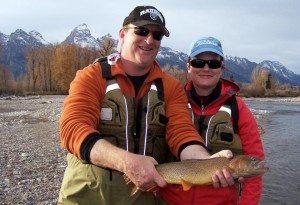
(106, 72)
(160, 88)
(234, 111)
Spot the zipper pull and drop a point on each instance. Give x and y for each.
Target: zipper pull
(202, 108)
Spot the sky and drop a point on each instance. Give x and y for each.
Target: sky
(255, 29)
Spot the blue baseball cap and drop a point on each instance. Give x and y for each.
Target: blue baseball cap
(206, 44)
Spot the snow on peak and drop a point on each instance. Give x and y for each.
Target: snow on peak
(4, 38)
(22, 38)
(82, 29)
(38, 37)
(269, 63)
(81, 35)
(238, 60)
(82, 26)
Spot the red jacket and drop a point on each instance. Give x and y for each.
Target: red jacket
(251, 144)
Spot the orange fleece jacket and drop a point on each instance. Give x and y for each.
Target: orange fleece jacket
(81, 112)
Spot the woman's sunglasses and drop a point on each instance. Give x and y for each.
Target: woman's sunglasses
(213, 64)
(141, 31)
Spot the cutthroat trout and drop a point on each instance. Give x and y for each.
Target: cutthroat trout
(199, 172)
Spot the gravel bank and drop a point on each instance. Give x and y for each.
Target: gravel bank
(32, 160)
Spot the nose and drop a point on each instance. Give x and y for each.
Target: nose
(149, 38)
(206, 67)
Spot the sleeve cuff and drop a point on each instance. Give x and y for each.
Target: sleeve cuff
(87, 146)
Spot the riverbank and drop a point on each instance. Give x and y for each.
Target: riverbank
(32, 159)
(285, 99)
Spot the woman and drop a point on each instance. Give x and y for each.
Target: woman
(223, 120)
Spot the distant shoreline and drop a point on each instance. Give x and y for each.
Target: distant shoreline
(275, 99)
(267, 99)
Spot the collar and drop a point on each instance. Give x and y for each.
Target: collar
(205, 100)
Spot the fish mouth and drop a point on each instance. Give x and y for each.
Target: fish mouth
(260, 166)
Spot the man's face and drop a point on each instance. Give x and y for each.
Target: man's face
(141, 50)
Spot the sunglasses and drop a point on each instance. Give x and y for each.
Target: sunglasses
(212, 64)
(141, 31)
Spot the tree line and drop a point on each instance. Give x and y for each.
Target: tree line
(51, 68)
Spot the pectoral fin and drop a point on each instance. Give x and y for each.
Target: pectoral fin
(186, 185)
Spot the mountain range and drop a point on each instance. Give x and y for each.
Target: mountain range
(14, 48)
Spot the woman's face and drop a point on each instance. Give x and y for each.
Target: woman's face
(205, 78)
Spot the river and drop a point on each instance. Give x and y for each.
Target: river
(23, 122)
(281, 140)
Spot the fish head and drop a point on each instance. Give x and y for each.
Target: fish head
(247, 166)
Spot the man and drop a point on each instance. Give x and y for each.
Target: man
(223, 120)
(125, 119)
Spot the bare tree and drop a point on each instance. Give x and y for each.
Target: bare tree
(1, 51)
(106, 46)
(87, 56)
(32, 72)
(5, 79)
(260, 76)
(258, 86)
(67, 62)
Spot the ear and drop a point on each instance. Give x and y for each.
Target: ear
(188, 67)
(121, 35)
(222, 69)
(188, 72)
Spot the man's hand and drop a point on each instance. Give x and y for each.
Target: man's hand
(138, 168)
(141, 171)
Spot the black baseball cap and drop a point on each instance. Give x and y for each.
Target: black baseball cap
(144, 15)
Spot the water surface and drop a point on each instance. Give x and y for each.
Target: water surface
(281, 140)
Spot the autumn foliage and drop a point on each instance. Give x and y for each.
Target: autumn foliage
(50, 70)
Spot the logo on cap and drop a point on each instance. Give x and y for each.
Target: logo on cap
(202, 42)
(153, 14)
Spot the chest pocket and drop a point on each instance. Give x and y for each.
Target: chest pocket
(220, 133)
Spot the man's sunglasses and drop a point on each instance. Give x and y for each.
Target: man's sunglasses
(141, 31)
(213, 64)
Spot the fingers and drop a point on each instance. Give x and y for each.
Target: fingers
(224, 153)
(154, 183)
(142, 173)
(222, 178)
(241, 180)
(159, 181)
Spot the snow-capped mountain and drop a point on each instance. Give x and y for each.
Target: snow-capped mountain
(240, 68)
(81, 35)
(281, 72)
(14, 48)
(168, 56)
(38, 37)
(4, 38)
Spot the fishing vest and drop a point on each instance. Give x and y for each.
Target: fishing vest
(136, 127)
(218, 131)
